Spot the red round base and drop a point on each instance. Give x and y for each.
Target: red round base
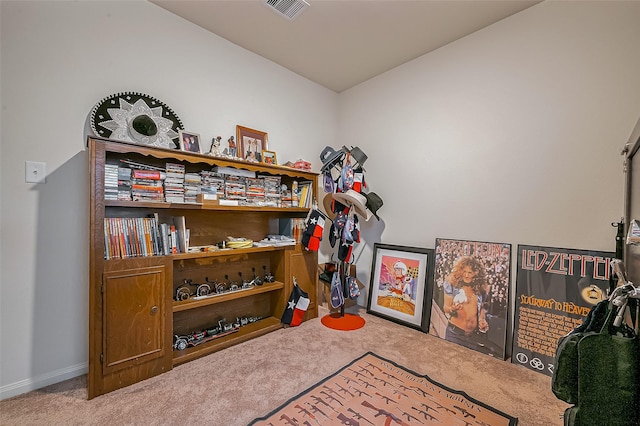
(347, 322)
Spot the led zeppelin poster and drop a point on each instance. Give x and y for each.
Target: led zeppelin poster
(555, 290)
(471, 294)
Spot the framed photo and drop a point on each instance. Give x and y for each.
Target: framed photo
(470, 304)
(189, 141)
(251, 143)
(401, 285)
(269, 157)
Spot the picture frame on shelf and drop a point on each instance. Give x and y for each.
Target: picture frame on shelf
(251, 143)
(190, 141)
(401, 285)
(269, 157)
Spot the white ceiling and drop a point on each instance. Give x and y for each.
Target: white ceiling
(341, 43)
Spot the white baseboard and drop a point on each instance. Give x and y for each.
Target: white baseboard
(27, 385)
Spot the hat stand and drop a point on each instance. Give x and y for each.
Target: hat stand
(343, 321)
(335, 159)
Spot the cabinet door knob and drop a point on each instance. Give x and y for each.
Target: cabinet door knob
(154, 310)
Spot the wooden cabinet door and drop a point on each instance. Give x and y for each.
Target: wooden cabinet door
(303, 265)
(133, 317)
(134, 330)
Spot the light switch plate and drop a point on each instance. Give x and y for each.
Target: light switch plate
(35, 172)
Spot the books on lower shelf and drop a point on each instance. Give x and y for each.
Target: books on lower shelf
(182, 234)
(126, 237)
(305, 198)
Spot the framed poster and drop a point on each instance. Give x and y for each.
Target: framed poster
(251, 143)
(555, 290)
(471, 294)
(400, 284)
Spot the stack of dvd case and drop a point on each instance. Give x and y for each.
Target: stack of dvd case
(235, 188)
(272, 191)
(174, 183)
(212, 182)
(255, 192)
(192, 182)
(110, 181)
(124, 184)
(146, 185)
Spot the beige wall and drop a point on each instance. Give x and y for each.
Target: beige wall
(58, 60)
(512, 134)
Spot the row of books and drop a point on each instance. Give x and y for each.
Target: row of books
(305, 195)
(126, 237)
(132, 181)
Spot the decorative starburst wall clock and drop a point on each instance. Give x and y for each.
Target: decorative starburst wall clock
(136, 117)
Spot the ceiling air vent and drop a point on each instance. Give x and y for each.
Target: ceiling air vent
(290, 9)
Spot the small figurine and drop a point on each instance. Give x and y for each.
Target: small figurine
(245, 283)
(233, 150)
(215, 147)
(256, 279)
(203, 290)
(182, 293)
(268, 276)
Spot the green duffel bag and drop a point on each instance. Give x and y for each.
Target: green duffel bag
(564, 382)
(608, 380)
(598, 369)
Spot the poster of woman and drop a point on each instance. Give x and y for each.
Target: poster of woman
(471, 294)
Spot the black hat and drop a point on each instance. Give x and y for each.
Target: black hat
(330, 157)
(374, 202)
(359, 156)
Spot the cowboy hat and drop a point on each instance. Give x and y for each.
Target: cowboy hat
(359, 156)
(330, 157)
(353, 199)
(136, 117)
(326, 203)
(374, 202)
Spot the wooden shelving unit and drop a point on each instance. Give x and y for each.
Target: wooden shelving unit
(133, 314)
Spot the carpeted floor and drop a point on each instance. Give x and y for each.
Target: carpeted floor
(238, 384)
(375, 390)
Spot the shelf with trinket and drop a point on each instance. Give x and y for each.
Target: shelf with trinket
(231, 337)
(221, 329)
(224, 296)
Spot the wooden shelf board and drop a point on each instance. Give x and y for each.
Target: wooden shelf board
(205, 206)
(217, 253)
(178, 155)
(226, 252)
(225, 297)
(248, 332)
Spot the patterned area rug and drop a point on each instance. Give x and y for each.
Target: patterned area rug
(375, 391)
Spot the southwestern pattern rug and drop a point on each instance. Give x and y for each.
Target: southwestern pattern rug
(375, 391)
